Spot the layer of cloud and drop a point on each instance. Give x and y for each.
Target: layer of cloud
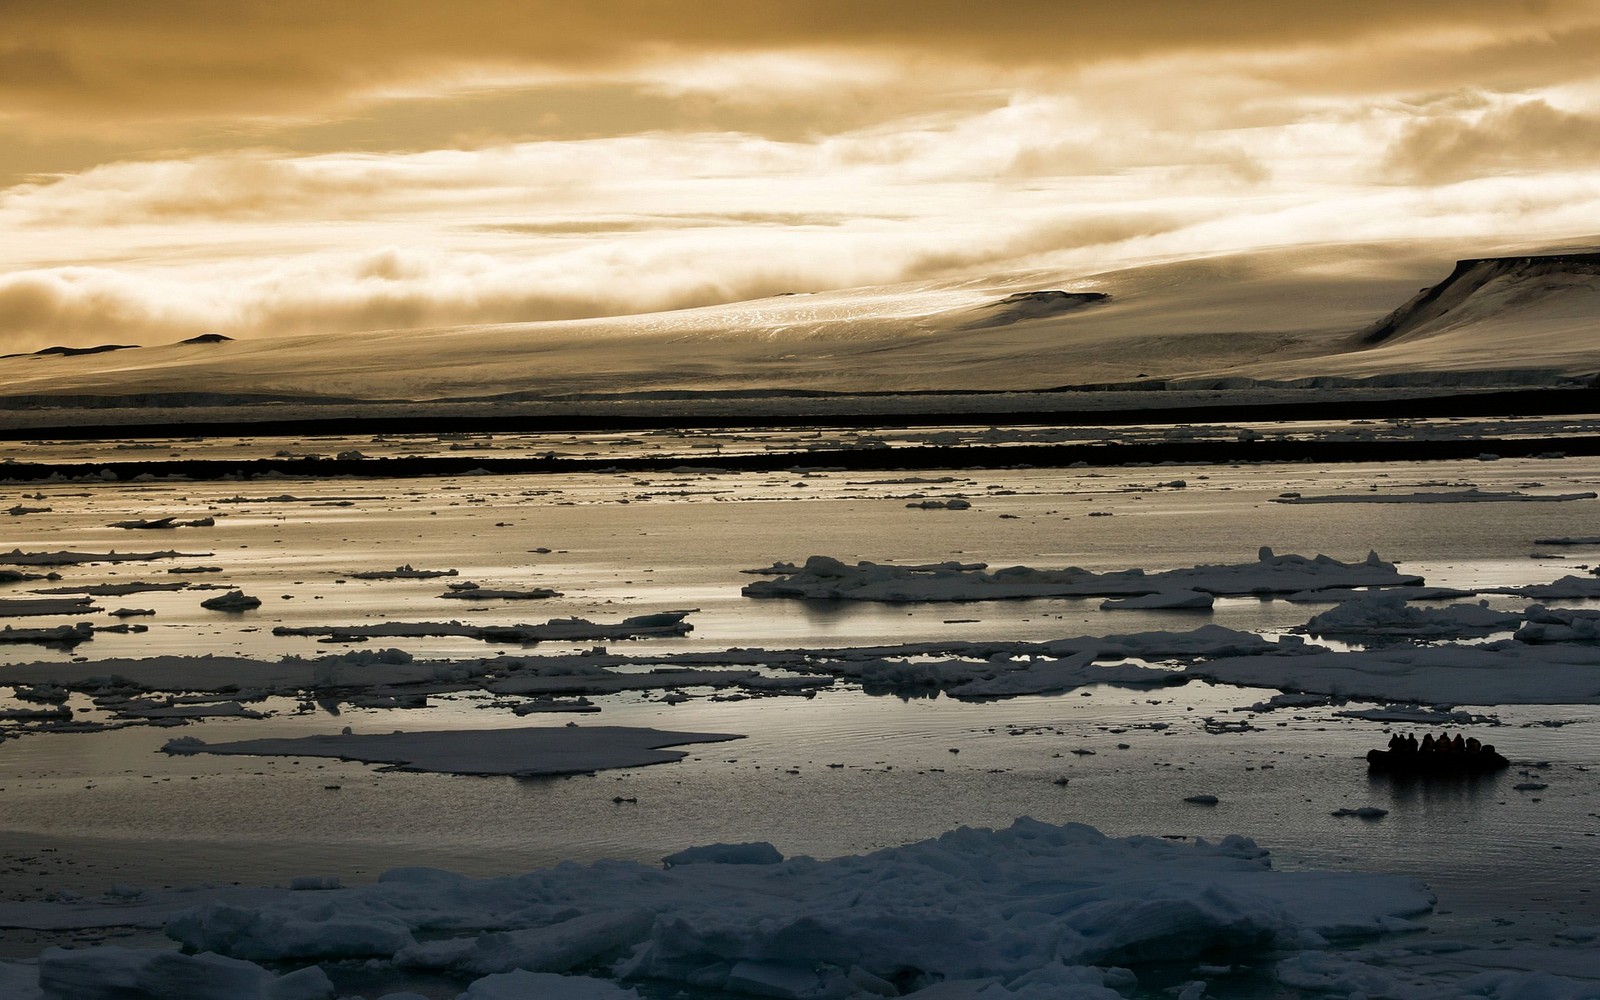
(565, 276)
(105, 59)
(1522, 137)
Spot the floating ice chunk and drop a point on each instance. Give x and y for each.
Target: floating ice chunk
(27, 607)
(487, 594)
(1500, 673)
(1457, 496)
(233, 600)
(1414, 713)
(1567, 587)
(570, 679)
(1007, 679)
(17, 557)
(826, 578)
(141, 524)
(521, 751)
(954, 503)
(113, 589)
(664, 623)
(1543, 625)
(1337, 595)
(403, 572)
(1381, 614)
(156, 710)
(58, 635)
(1278, 701)
(1167, 600)
(114, 973)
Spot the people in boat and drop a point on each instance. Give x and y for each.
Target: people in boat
(1443, 743)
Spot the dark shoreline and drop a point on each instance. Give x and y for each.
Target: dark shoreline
(853, 459)
(1493, 403)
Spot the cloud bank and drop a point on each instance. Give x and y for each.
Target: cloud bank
(295, 167)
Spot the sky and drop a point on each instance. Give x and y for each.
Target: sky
(286, 167)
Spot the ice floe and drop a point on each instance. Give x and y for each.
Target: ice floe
(233, 600)
(58, 635)
(523, 751)
(113, 589)
(1565, 588)
(1333, 595)
(1500, 673)
(402, 572)
(161, 523)
(473, 592)
(1456, 496)
(826, 578)
(17, 557)
(24, 607)
(658, 624)
(1388, 615)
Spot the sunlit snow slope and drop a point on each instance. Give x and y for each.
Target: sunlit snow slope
(1289, 314)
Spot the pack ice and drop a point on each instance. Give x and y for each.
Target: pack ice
(1030, 910)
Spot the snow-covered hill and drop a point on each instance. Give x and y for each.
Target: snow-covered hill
(1285, 315)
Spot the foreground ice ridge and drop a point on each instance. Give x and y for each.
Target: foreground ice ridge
(1056, 906)
(826, 578)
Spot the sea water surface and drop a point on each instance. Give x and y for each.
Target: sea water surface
(840, 772)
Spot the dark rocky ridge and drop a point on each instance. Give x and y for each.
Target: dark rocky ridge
(1472, 276)
(1020, 306)
(70, 352)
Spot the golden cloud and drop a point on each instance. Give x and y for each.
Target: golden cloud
(174, 58)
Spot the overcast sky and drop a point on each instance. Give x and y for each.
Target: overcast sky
(274, 167)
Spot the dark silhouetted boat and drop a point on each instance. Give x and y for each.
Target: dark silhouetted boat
(1441, 763)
